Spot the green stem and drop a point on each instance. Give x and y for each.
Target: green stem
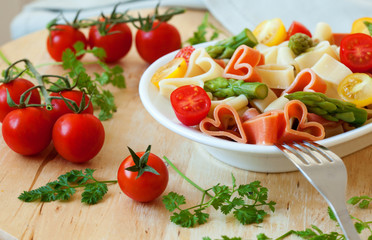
(186, 178)
(48, 64)
(109, 181)
(285, 235)
(2, 56)
(39, 78)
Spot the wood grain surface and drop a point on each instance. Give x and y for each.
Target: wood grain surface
(299, 205)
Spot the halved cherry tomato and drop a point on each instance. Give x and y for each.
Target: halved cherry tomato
(359, 26)
(356, 88)
(356, 52)
(191, 104)
(185, 53)
(176, 68)
(297, 27)
(270, 32)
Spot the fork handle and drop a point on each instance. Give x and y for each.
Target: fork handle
(345, 222)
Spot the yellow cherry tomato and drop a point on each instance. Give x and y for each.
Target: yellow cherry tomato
(270, 32)
(359, 26)
(173, 69)
(356, 88)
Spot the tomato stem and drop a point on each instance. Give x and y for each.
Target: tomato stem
(186, 178)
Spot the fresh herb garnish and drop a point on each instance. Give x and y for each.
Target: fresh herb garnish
(102, 98)
(200, 35)
(314, 233)
(65, 186)
(362, 201)
(245, 202)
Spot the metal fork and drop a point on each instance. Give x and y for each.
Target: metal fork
(327, 173)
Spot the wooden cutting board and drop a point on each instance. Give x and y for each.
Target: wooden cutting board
(299, 205)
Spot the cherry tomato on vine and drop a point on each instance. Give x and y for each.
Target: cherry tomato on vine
(162, 39)
(15, 88)
(143, 176)
(356, 52)
(27, 131)
(116, 42)
(297, 27)
(60, 108)
(191, 104)
(78, 137)
(62, 37)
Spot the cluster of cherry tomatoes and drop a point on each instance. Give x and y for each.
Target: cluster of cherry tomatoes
(28, 127)
(153, 39)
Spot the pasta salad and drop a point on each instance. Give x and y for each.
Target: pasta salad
(271, 86)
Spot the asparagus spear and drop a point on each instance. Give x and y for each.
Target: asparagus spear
(222, 88)
(225, 48)
(330, 108)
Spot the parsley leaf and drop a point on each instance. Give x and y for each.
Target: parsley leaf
(102, 98)
(65, 186)
(244, 201)
(200, 35)
(362, 201)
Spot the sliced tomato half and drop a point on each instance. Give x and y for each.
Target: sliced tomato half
(191, 104)
(356, 52)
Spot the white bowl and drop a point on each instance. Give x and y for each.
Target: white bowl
(251, 157)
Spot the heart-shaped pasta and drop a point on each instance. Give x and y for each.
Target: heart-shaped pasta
(242, 63)
(226, 124)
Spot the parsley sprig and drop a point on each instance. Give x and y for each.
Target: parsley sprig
(200, 35)
(362, 201)
(102, 98)
(315, 233)
(245, 202)
(65, 186)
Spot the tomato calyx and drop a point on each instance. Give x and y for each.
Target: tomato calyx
(140, 163)
(72, 104)
(53, 24)
(151, 22)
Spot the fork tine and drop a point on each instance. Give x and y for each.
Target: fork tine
(319, 155)
(292, 152)
(331, 156)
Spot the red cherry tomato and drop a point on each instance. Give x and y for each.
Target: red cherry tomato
(297, 27)
(60, 108)
(185, 53)
(163, 39)
(15, 88)
(191, 104)
(27, 131)
(356, 52)
(147, 186)
(63, 37)
(78, 137)
(117, 42)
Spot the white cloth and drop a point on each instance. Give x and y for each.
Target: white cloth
(339, 14)
(233, 14)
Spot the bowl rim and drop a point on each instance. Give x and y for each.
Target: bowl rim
(145, 87)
